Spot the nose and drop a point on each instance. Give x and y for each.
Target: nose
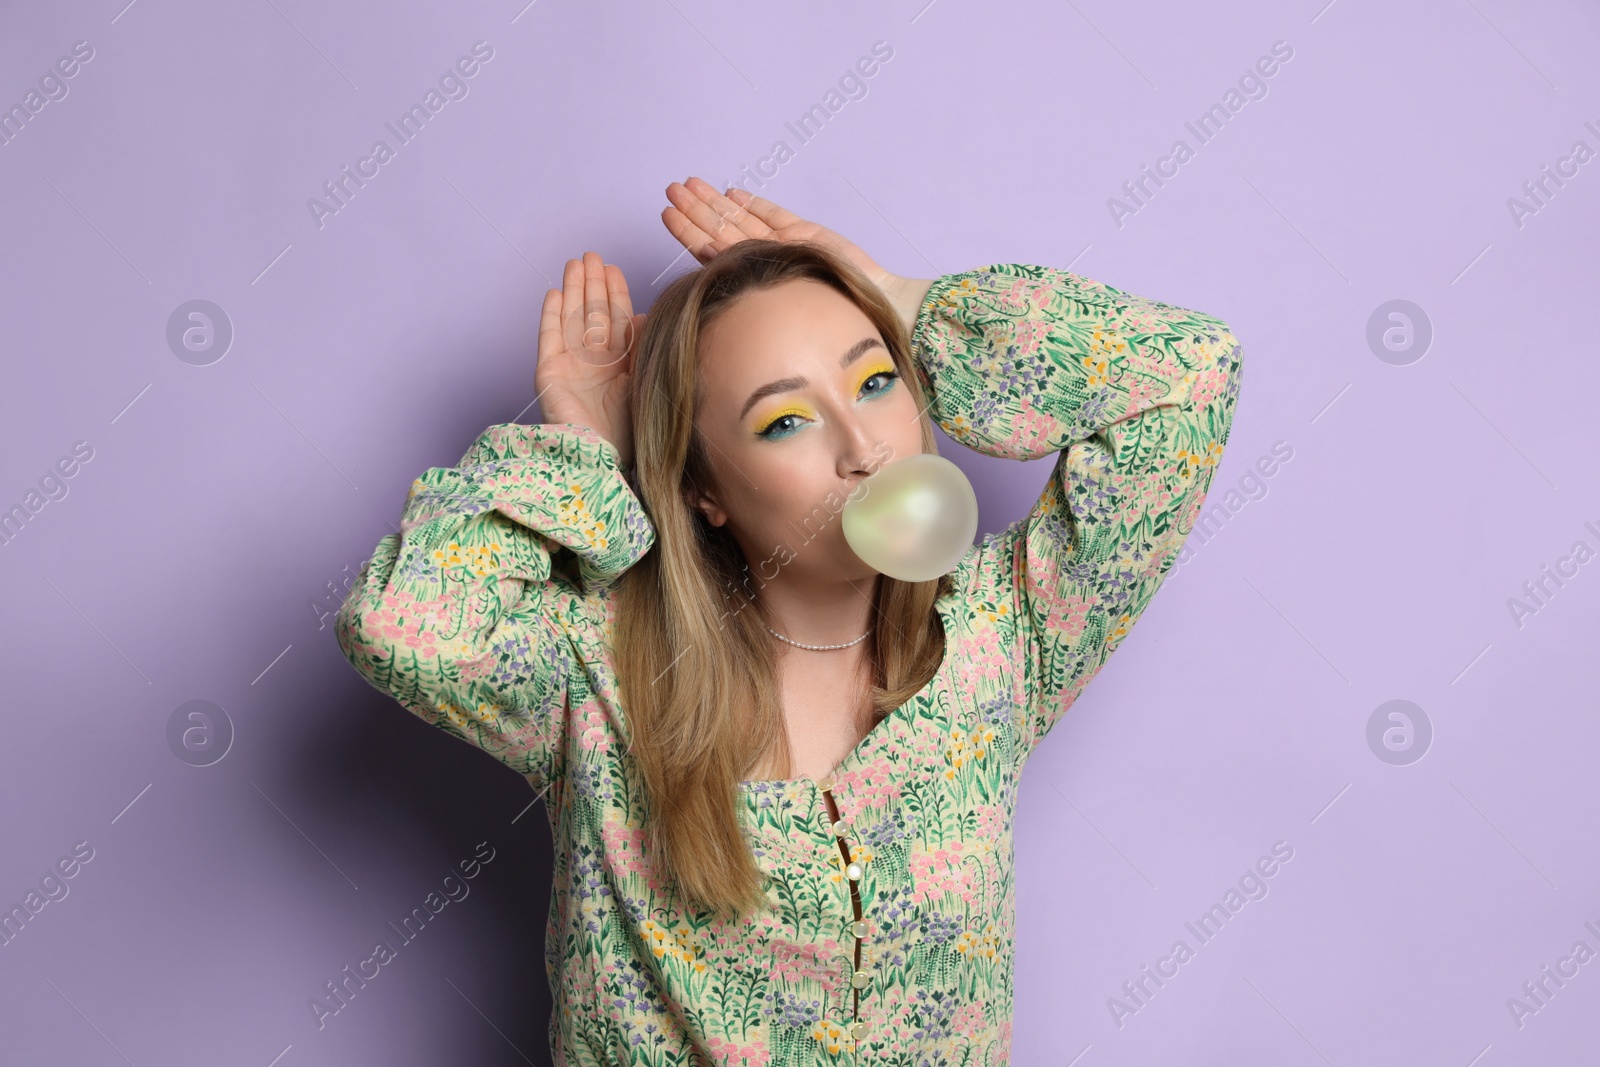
(859, 455)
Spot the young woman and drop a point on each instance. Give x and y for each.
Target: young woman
(781, 785)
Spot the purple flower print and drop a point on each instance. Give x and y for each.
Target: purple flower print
(419, 566)
(513, 663)
(940, 928)
(935, 1010)
(790, 1009)
(886, 832)
(895, 912)
(996, 711)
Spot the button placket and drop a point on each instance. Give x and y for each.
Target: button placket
(859, 929)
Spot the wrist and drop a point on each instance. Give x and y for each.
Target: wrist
(907, 296)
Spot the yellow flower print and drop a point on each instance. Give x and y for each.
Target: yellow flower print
(861, 853)
(966, 746)
(976, 944)
(575, 514)
(1097, 370)
(831, 1036)
(487, 714)
(678, 941)
(478, 559)
(995, 614)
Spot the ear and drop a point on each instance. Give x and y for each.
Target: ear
(707, 505)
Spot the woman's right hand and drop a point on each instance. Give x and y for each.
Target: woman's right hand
(587, 331)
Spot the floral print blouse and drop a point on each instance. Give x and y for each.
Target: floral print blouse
(490, 614)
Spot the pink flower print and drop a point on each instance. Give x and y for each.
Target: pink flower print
(625, 848)
(478, 666)
(1067, 616)
(402, 620)
(871, 786)
(991, 821)
(968, 1020)
(1209, 385)
(593, 736)
(1140, 395)
(810, 962)
(1030, 436)
(1017, 297)
(1190, 510)
(1155, 489)
(1028, 334)
(733, 1054)
(939, 872)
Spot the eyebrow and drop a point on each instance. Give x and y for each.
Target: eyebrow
(784, 385)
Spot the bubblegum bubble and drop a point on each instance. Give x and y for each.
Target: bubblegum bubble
(914, 519)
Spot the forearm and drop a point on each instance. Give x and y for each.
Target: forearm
(907, 296)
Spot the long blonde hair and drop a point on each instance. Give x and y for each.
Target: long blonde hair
(696, 666)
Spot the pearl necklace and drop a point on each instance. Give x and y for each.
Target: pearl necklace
(817, 648)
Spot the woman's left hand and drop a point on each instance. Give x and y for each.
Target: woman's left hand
(706, 222)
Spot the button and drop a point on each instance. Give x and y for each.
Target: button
(825, 783)
(859, 928)
(853, 872)
(860, 979)
(858, 1029)
(839, 828)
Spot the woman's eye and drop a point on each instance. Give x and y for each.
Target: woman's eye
(777, 427)
(784, 425)
(888, 375)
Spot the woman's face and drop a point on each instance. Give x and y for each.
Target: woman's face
(800, 402)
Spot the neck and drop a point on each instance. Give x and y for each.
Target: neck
(819, 613)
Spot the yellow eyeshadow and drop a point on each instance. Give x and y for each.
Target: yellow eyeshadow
(882, 367)
(764, 422)
(767, 420)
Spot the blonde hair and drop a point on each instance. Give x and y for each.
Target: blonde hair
(696, 666)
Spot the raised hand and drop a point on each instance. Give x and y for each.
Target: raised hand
(706, 222)
(587, 331)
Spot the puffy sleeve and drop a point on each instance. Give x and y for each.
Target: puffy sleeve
(461, 616)
(1135, 398)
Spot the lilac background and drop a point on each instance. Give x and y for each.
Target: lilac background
(196, 556)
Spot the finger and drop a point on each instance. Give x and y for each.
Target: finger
(572, 305)
(727, 211)
(621, 309)
(692, 237)
(550, 339)
(765, 210)
(596, 320)
(712, 212)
